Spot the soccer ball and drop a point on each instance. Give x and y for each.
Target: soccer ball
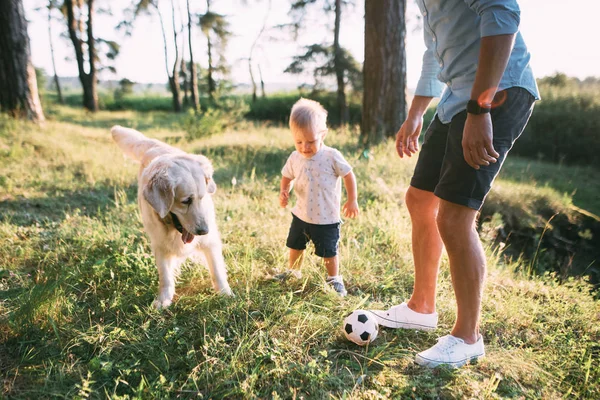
(361, 327)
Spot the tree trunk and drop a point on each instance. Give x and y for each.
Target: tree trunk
(175, 87)
(338, 66)
(173, 79)
(252, 79)
(211, 81)
(186, 84)
(384, 72)
(262, 82)
(262, 29)
(56, 80)
(87, 79)
(194, 78)
(91, 99)
(18, 84)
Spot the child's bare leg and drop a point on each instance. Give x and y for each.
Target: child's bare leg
(333, 278)
(332, 264)
(296, 257)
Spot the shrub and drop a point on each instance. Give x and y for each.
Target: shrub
(565, 125)
(228, 113)
(277, 107)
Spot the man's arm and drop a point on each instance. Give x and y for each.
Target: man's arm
(407, 138)
(428, 87)
(351, 207)
(284, 191)
(477, 140)
(500, 21)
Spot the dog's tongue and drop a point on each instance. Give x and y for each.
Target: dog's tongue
(186, 236)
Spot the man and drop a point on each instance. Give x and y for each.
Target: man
(474, 49)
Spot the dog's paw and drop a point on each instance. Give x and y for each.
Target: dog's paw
(160, 304)
(226, 291)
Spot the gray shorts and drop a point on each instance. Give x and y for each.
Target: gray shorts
(441, 167)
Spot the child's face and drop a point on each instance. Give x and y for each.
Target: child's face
(308, 142)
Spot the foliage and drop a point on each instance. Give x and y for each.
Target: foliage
(77, 279)
(277, 107)
(106, 51)
(125, 88)
(565, 125)
(217, 31)
(320, 60)
(214, 120)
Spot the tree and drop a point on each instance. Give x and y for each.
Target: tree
(216, 29)
(262, 82)
(252, 48)
(384, 70)
(125, 88)
(80, 14)
(51, 6)
(193, 70)
(75, 24)
(337, 64)
(321, 61)
(173, 74)
(18, 85)
(339, 56)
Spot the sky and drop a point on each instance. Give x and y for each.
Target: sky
(559, 35)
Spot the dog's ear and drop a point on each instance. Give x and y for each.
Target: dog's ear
(211, 186)
(159, 192)
(207, 169)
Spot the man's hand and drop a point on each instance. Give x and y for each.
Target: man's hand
(284, 197)
(477, 139)
(407, 138)
(350, 209)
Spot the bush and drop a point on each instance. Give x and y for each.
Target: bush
(277, 107)
(226, 114)
(565, 125)
(136, 103)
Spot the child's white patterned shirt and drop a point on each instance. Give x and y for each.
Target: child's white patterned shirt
(317, 184)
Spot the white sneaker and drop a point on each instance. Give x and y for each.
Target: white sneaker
(401, 316)
(451, 351)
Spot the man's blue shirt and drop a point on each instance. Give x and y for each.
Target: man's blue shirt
(453, 30)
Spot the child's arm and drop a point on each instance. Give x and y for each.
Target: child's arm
(284, 191)
(351, 207)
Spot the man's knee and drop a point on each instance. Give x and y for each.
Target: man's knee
(420, 201)
(454, 220)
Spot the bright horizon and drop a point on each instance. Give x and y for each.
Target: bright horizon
(554, 47)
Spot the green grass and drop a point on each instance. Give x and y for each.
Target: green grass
(77, 280)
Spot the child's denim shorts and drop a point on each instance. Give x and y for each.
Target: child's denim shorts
(324, 237)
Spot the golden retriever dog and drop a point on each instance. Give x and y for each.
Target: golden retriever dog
(175, 199)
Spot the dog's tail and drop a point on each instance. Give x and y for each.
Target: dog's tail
(137, 146)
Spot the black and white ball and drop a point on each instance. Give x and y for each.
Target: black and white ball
(361, 327)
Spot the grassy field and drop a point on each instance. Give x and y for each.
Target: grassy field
(77, 280)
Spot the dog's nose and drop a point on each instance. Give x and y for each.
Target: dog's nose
(201, 231)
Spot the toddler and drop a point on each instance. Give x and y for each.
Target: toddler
(315, 170)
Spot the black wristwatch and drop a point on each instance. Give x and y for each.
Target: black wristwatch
(473, 107)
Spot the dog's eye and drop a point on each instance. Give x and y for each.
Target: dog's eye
(188, 201)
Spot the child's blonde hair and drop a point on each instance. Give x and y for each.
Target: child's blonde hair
(308, 114)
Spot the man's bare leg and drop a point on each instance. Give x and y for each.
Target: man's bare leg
(456, 225)
(427, 248)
